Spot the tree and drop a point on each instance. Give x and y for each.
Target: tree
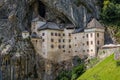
(77, 71)
(111, 12)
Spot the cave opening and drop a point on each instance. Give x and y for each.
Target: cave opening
(41, 9)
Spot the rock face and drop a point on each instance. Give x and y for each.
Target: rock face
(18, 59)
(78, 12)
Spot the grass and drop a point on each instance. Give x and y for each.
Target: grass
(108, 69)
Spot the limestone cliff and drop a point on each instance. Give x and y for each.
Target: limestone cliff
(18, 59)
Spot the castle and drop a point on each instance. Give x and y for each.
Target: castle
(56, 43)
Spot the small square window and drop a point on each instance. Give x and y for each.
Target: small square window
(63, 50)
(83, 44)
(83, 50)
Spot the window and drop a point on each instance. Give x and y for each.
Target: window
(83, 44)
(87, 35)
(68, 51)
(63, 46)
(88, 50)
(69, 34)
(44, 53)
(59, 34)
(87, 43)
(69, 46)
(91, 42)
(83, 36)
(36, 41)
(63, 40)
(52, 40)
(63, 50)
(63, 34)
(59, 40)
(69, 40)
(43, 40)
(59, 46)
(52, 46)
(43, 34)
(51, 34)
(97, 34)
(91, 50)
(75, 51)
(83, 50)
(91, 34)
(75, 38)
(75, 44)
(55, 34)
(98, 42)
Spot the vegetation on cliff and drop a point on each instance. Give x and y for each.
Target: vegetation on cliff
(74, 73)
(108, 69)
(110, 16)
(111, 12)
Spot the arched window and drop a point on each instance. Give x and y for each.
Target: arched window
(69, 46)
(52, 40)
(87, 43)
(55, 34)
(59, 40)
(59, 46)
(43, 34)
(63, 46)
(51, 34)
(98, 42)
(59, 34)
(97, 34)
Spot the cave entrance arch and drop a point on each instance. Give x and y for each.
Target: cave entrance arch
(41, 9)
